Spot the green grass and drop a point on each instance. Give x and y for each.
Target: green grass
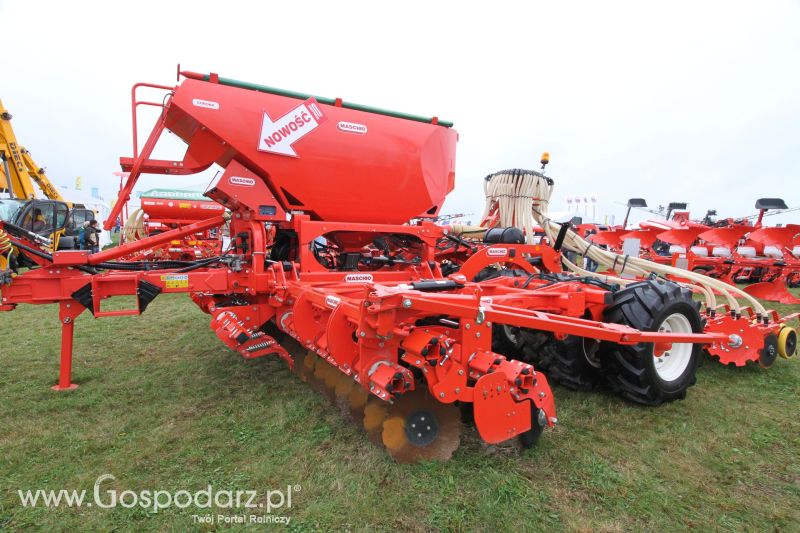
(163, 405)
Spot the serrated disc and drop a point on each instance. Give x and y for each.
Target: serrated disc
(374, 415)
(418, 427)
(357, 400)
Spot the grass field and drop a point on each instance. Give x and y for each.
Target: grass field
(163, 405)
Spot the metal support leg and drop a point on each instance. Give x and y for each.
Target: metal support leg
(67, 313)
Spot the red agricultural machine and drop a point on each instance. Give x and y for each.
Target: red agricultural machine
(165, 209)
(735, 251)
(325, 271)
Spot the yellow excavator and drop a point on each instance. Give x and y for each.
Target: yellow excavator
(51, 220)
(19, 171)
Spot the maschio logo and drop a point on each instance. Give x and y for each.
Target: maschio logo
(208, 104)
(332, 301)
(244, 182)
(352, 127)
(358, 278)
(496, 252)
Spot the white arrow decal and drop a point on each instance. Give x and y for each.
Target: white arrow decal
(277, 137)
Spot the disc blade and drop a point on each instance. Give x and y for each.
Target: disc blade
(317, 378)
(374, 415)
(307, 371)
(330, 379)
(418, 427)
(357, 400)
(341, 392)
(299, 361)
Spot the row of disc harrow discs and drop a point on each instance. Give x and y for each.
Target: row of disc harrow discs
(414, 427)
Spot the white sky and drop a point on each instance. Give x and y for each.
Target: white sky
(693, 101)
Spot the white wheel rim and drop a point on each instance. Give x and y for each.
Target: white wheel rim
(673, 362)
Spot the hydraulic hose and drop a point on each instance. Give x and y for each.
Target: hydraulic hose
(185, 266)
(522, 197)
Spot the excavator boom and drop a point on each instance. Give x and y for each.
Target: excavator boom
(19, 172)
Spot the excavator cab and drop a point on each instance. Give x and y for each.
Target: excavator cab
(9, 208)
(43, 217)
(77, 216)
(51, 219)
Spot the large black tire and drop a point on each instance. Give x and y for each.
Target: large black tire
(572, 362)
(631, 369)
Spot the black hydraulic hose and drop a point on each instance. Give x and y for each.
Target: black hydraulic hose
(549, 277)
(34, 251)
(22, 233)
(144, 266)
(48, 257)
(199, 264)
(553, 279)
(132, 266)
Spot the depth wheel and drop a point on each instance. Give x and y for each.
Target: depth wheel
(648, 373)
(418, 427)
(768, 354)
(787, 342)
(538, 422)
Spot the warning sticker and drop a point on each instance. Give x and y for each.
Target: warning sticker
(278, 136)
(175, 281)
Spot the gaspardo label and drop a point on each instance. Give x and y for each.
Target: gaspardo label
(207, 104)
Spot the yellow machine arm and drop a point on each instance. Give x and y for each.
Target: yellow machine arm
(18, 171)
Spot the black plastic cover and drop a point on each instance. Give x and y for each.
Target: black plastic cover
(504, 236)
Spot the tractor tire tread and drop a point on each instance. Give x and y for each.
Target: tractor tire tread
(626, 367)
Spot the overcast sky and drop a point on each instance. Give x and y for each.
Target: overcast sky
(692, 101)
